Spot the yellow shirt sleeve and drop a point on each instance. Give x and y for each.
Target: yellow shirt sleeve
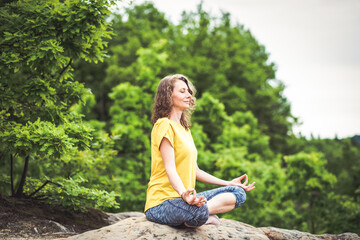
(163, 129)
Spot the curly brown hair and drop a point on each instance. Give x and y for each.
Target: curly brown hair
(163, 99)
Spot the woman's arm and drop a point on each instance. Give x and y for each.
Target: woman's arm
(208, 178)
(168, 157)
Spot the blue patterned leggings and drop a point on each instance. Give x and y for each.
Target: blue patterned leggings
(175, 212)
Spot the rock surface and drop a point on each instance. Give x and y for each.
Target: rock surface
(116, 217)
(278, 233)
(135, 226)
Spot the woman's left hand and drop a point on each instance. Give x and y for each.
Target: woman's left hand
(190, 198)
(245, 186)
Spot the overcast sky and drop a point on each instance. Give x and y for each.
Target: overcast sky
(315, 45)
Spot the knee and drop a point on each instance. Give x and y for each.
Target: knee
(200, 216)
(240, 195)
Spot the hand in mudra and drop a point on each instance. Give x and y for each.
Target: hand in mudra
(245, 186)
(190, 197)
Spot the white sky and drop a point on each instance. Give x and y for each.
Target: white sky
(316, 47)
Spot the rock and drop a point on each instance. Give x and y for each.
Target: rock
(278, 233)
(115, 217)
(140, 228)
(135, 226)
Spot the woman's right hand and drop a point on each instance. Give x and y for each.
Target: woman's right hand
(190, 197)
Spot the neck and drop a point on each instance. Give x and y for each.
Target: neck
(175, 115)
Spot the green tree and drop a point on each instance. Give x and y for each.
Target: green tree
(343, 156)
(311, 185)
(139, 27)
(39, 42)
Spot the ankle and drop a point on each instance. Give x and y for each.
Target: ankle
(213, 220)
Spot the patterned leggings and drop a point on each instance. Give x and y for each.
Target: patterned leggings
(175, 212)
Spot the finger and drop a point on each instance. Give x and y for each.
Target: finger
(250, 187)
(241, 177)
(201, 202)
(188, 197)
(252, 184)
(187, 193)
(190, 190)
(192, 199)
(194, 195)
(194, 192)
(246, 180)
(200, 198)
(197, 201)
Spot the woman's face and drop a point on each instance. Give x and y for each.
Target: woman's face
(181, 96)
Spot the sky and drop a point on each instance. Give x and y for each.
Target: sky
(315, 45)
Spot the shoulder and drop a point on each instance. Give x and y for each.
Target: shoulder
(162, 120)
(161, 126)
(162, 123)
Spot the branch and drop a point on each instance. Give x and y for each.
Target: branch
(41, 197)
(66, 67)
(42, 186)
(19, 192)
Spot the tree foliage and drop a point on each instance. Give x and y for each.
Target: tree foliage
(39, 42)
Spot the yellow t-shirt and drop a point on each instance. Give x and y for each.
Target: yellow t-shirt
(159, 187)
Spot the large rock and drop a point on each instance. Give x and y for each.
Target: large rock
(116, 217)
(278, 233)
(135, 226)
(140, 228)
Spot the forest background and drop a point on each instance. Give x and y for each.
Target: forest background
(76, 90)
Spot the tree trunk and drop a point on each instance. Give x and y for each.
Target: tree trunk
(12, 174)
(19, 193)
(102, 102)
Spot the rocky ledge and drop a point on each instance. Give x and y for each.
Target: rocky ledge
(135, 226)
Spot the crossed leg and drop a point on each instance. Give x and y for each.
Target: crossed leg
(174, 212)
(222, 200)
(220, 203)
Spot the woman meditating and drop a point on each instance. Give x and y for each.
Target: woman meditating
(171, 196)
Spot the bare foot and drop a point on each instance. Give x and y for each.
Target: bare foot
(213, 220)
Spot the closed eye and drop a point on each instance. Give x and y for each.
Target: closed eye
(183, 91)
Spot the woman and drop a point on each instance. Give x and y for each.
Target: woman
(171, 197)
